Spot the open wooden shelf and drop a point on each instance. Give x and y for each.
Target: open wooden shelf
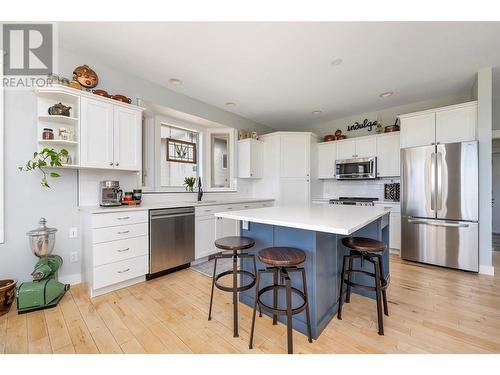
(58, 142)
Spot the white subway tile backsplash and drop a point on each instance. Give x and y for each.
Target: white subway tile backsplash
(367, 188)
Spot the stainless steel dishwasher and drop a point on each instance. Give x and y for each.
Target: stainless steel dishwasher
(171, 240)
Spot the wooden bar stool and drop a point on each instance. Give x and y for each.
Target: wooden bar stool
(370, 250)
(234, 244)
(282, 262)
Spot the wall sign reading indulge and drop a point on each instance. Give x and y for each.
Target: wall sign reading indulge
(365, 124)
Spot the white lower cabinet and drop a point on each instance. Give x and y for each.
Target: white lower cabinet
(116, 250)
(394, 224)
(208, 227)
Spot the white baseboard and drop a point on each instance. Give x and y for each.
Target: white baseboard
(74, 279)
(487, 270)
(395, 251)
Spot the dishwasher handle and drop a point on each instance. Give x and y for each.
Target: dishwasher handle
(169, 216)
(171, 212)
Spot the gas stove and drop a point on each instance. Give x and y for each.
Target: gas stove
(354, 201)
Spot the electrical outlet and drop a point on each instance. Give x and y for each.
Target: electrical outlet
(73, 232)
(73, 257)
(244, 225)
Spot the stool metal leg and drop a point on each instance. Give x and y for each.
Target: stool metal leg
(235, 293)
(308, 316)
(341, 296)
(289, 323)
(275, 294)
(349, 277)
(255, 273)
(212, 293)
(384, 292)
(378, 295)
(252, 329)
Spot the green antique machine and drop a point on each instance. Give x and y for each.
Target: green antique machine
(44, 291)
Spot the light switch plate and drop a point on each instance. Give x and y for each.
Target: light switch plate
(73, 257)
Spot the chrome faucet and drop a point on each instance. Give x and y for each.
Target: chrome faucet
(200, 190)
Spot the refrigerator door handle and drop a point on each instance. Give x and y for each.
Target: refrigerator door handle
(439, 182)
(438, 223)
(433, 181)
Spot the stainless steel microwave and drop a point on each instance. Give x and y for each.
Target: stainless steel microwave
(356, 169)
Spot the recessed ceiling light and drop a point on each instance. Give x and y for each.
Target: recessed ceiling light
(386, 94)
(175, 81)
(337, 62)
(316, 113)
(230, 104)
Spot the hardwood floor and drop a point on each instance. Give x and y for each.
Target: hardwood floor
(432, 310)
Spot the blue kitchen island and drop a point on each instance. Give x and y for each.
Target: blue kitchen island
(318, 230)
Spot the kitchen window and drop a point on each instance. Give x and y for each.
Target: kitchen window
(178, 155)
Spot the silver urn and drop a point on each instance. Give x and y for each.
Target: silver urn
(42, 239)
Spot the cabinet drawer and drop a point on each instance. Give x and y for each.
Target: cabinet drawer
(205, 211)
(119, 232)
(115, 251)
(119, 218)
(113, 273)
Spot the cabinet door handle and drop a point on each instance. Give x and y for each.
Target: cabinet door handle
(246, 206)
(229, 208)
(123, 250)
(117, 164)
(124, 218)
(125, 270)
(124, 232)
(111, 163)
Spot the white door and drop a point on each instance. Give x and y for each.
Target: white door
(388, 155)
(346, 149)
(96, 134)
(418, 130)
(496, 193)
(327, 154)
(127, 138)
(256, 159)
(294, 191)
(366, 147)
(295, 155)
(205, 236)
(456, 125)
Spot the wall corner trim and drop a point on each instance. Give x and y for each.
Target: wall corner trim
(486, 270)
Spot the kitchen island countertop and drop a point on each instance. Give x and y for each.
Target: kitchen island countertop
(335, 219)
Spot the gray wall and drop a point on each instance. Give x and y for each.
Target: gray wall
(485, 120)
(496, 98)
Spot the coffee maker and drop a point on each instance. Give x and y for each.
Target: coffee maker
(110, 193)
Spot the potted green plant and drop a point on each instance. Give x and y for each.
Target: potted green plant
(46, 158)
(189, 183)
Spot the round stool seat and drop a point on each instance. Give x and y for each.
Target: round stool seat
(363, 244)
(282, 256)
(234, 243)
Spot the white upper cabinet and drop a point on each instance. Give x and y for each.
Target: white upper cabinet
(456, 125)
(110, 136)
(366, 147)
(327, 154)
(388, 155)
(96, 138)
(418, 130)
(346, 149)
(127, 138)
(295, 155)
(250, 158)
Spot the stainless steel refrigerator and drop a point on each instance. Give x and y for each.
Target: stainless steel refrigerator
(439, 205)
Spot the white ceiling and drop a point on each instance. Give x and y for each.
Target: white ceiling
(277, 73)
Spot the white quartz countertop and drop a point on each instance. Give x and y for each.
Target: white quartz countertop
(327, 218)
(151, 206)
